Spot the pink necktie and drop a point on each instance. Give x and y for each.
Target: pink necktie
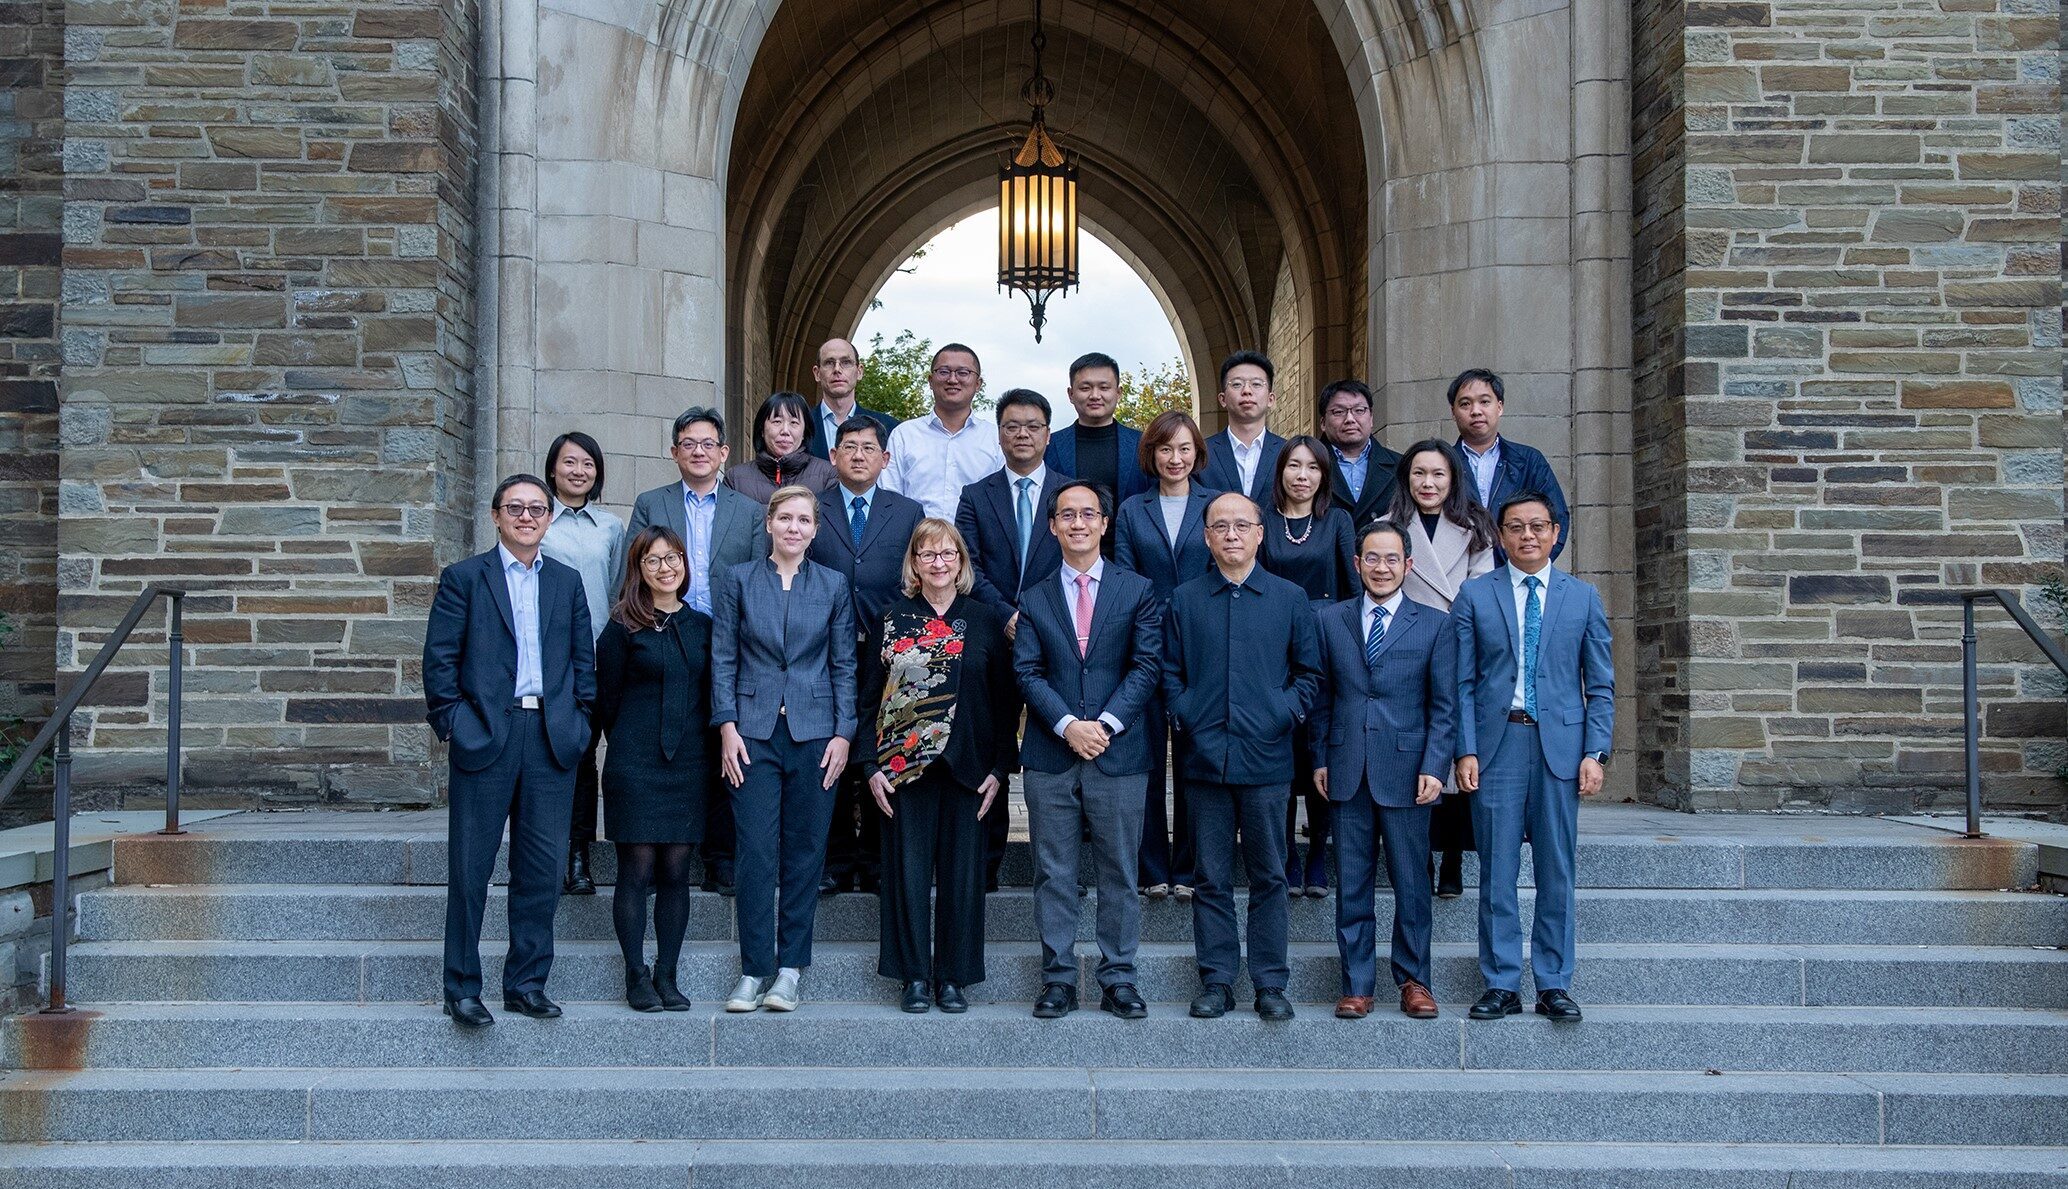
(1083, 614)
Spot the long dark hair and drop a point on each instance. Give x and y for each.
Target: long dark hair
(587, 445)
(1461, 507)
(1324, 486)
(634, 606)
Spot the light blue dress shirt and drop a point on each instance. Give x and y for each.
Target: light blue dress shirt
(522, 581)
(592, 541)
(1483, 467)
(847, 499)
(699, 513)
(1354, 470)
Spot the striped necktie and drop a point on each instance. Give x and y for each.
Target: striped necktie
(1376, 638)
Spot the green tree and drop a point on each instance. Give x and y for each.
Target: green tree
(894, 376)
(1144, 394)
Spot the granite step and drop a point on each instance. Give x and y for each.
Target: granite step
(1014, 1105)
(409, 971)
(1775, 1039)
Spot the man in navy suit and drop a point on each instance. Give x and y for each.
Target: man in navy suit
(863, 532)
(1385, 730)
(1097, 448)
(1536, 712)
(1087, 655)
(1240, 673)
(837, 374)
(1496, 467)
(509, 677)
(1364, 469)
(1244, 456)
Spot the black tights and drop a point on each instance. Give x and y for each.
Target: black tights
(663, 869)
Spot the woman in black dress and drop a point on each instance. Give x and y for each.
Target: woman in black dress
(1308, 541)
(653, 701)
(937, 762)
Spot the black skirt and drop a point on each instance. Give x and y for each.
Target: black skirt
(654, 686)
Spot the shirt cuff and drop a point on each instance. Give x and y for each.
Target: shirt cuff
(1113, 725)
(1063, 724)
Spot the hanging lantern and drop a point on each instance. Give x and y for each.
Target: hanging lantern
(1037, 204)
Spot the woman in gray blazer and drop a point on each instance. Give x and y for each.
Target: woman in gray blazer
(783, 699)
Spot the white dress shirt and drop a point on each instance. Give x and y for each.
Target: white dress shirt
(931, 465)
(1247, 457)
(1068, 577)
(1515, 577)
(522, 582)
(1392, 606)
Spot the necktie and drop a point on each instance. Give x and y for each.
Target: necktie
(1025, 511)
(1532, 628)
(1377, 637)
(858, 521)
(1083, 614)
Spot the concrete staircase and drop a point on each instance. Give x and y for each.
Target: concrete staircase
(1799, 1002)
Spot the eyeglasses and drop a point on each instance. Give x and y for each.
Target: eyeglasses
(656, 562)
(930, 556)
(1232, 528)
(953, 373)
(1528, 528)
(700, 445)
(526, 511)
(1348, 412)
(1249, 386)
(860, 448)
(1381, 559)
(1079, 515)
(1016, 428)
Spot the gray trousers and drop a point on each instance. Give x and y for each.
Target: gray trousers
(1257, 813)
(1059, 805)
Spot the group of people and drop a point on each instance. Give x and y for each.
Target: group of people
(820, 667)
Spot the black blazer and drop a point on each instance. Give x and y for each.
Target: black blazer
(1241, 670)
(1132, 480)
(978, 746)
(876, 573)
(470, 660)
(988, 522)
(1221, 473)
(1378, 487)
(1140, 544)
(1117, 674)
(653, 689)
(817, 443)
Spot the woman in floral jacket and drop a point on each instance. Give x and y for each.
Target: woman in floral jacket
(938, 762)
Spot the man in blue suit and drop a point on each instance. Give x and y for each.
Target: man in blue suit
(1087, 656)
(1496, 467)
(1385, 730)
(509, 677)
(837, 374)
(1244, 456)
(1097, 448)
(1536, 712)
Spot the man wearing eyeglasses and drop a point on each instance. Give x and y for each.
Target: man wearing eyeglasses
(1536, 713)
(1240, 674)
(1364, 468)
(720, 528)
(934, 457)
(837, 374)
(1244, 456)
(509, 679)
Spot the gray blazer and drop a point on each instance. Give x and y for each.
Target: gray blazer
(790, 653)
(738, 531)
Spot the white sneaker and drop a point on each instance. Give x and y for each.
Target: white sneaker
(783, 995)
(748, 996)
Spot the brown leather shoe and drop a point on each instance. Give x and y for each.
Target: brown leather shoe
(1353, 1007)
(1416, 1001)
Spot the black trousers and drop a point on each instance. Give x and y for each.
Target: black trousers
(781, 814)
(1313, 873)
(1450, 823)
(720, 834)
(582, 826)
(526, 789)
(934, 840)
(856, 837)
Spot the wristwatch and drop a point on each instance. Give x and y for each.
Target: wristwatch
(1599, 757)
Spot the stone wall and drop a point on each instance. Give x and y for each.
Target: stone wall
(1870, 398)
(267, 391)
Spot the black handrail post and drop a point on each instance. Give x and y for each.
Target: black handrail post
(1971, 710)
(60, 864)
(172, 720)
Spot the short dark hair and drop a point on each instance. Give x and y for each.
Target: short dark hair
(861, 423)
(780, 402)
(1324, 486)
(1093, 359)
(1104, 497)
(1252, 358)
(584, 443)
(693, 414)
(1329, 392)
(1480, 375)
(518, 480)
(1167, 425)
(1524, 497)
(1407, 545)
(1027, 397)
(964, 348)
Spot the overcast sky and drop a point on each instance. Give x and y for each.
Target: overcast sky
(952, 296)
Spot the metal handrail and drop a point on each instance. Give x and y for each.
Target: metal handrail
(56, 736)
(1971, 685)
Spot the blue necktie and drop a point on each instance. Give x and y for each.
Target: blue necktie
(858, 521)
(1532, 628)
(1025, 511)
(1377, 637)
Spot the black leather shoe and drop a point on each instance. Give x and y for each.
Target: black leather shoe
(828, 884)
(1559, 1006)
(728, 884)
(1057, 1000)
(469, 1012)
(915, 998)
(1121, 999)
(640, 994)
(531, 1003)
(672, 998)
(1273, 1005)
(1495, 1004)
(948, 997)
(1216, 1001)
(579, 882)
(1450, 881)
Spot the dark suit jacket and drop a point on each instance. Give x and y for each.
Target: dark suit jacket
(794, 653)
(1140, 544)
(817, 444)
(979, 743)
(739, 531)
(1062, 456)
(1370, 503)
(876, 574)
(1524, 468)
(1383, 728)
(1576, 676)
(1221, 473)
(1117, 674)
(1240, 673)
(988, 522)
(470, 660)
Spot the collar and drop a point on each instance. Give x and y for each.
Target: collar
(847, 497)
(1235, 439)
(1515, 575)
(1491, 450)
(1248, 581)
(934, 419)
(560, 509)
(508, 560)
(1097, 572)
(1039, 475)
(1345, 459)
(826, 410)
(1392, 606)
(691, 493)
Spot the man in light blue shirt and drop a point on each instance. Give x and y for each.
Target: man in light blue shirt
(522, 578)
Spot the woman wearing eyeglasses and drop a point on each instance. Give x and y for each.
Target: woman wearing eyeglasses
(653, 698)
(782, 452)
(938, 762)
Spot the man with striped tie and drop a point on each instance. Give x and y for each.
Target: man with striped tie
(1536, 711)
(1384, 730)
